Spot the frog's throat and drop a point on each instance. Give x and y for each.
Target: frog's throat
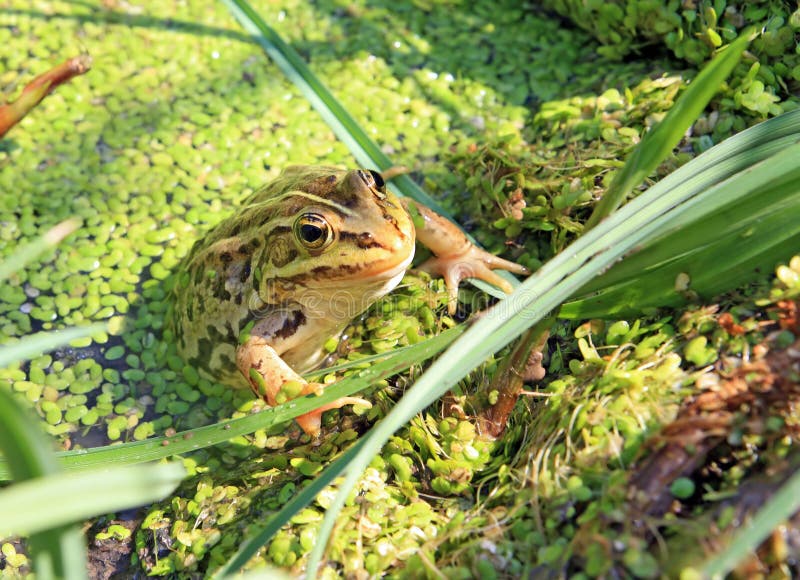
(392, 277)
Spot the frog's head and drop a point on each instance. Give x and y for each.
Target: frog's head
(334, 229)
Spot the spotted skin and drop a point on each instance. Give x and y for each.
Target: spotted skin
(259, 295)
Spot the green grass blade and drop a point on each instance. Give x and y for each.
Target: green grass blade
(186, 441)
(27, 253)
(779, 508)
(364, 149)
(58, 552)
(748, 226)
(754, 226)
(656, 145)
(35, 344)
(55, 500)
(23, 443)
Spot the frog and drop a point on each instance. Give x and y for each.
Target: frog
(259, 295)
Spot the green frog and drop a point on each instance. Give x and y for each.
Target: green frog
(261, 293)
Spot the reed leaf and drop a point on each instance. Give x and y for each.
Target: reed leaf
(747, 224)
(656, 145)
(57, 552)
(55, 500)
(35, 344)
(777, 510)
(364, 149)
(26, 253)
(160, 447)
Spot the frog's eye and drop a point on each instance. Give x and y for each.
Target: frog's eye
(313, 231)
(378, 179)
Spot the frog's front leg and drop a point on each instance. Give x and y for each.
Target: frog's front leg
(455, 257)
(275, 382)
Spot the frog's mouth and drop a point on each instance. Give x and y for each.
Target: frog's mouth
(388, 268)
(346, 297)
(377, 277)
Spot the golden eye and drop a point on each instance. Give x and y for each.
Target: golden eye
(313, 231)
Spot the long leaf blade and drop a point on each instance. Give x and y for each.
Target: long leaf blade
(22, 442)
(35, 344)
(57, 552)
(781, 506)
(55, 500)
(25, 254)
(364, 149)
(658, 143)
(750, 216)
(201, 437)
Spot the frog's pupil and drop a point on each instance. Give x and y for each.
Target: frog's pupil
(310, 233)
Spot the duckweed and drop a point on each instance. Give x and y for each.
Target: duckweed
(13, 558)
(115, 352)
(682, 488)
(694, 32)
(155, 145)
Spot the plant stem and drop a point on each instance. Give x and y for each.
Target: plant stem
(13, 112)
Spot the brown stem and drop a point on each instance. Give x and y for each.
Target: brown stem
(523, 364)
(39, 88)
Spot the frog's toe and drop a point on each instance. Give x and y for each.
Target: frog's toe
(475, 263)
(312, 421)
(496, 263)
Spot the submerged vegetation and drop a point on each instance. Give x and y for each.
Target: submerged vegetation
(649, 430)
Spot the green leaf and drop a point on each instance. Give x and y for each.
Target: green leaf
(745, 223)
(35, 344)
(780, 507)
(656, 145)
(22, 442)
(364, 149)
(57, 552)
(186, 441)
(55, 500)
(27, 253)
